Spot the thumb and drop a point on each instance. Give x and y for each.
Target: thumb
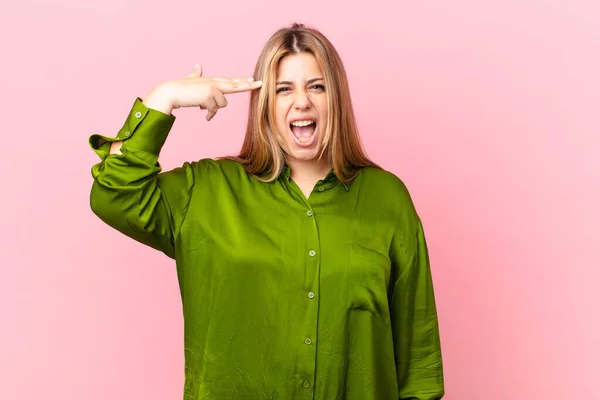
(197, 72)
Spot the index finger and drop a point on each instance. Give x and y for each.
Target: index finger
(237, 87)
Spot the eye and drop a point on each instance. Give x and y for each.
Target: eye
(318, 87)
(282, 89)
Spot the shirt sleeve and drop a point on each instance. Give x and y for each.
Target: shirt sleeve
(414, 318)
(130, 192)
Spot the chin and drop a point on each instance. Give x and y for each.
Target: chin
(304, 157)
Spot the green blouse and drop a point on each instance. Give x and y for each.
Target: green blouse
(284, 297)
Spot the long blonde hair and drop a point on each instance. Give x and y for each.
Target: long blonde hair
(261, 154)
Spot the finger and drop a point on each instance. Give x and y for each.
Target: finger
(211, 114)
(211, 106)
(220, 79)
(236, 87)
(220, 99)
(197, 72)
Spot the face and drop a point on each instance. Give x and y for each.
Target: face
(300, 106)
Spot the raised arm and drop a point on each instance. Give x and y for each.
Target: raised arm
(130, 192)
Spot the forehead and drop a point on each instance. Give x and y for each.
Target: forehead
(301, 66)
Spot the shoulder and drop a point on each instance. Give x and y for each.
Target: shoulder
(216, 167)
(381, 181)
(219, 172)
(388, 191)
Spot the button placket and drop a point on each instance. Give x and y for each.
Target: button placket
(312, 260)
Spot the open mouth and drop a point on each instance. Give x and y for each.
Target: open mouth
(304, 132)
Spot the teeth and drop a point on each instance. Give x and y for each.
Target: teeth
(302, 123)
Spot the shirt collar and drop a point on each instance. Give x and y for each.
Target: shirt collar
(328, 182)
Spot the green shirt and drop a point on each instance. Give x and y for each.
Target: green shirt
(284, 297)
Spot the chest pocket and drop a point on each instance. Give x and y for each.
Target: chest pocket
(368, 278)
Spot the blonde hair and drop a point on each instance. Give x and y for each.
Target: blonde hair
(261, 154)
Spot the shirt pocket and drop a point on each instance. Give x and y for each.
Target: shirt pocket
(368, 278)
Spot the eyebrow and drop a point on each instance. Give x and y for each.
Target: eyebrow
(308, 82)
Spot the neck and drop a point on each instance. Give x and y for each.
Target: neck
(312, 170)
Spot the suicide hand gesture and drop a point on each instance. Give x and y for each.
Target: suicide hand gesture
(198, 91)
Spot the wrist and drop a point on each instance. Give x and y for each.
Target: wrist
(160, 99)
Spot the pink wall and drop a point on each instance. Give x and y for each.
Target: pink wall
(487, 109)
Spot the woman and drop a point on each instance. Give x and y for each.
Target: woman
(303, 266)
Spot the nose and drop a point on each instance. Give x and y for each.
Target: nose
(301, 101)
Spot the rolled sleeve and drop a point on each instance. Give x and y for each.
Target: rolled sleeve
(145, 129)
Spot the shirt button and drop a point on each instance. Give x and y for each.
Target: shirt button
(307, 341)
(138, 114)
(311, 295)
(127, 133)
(321, 188)
(309, 213)
(306, 384)
(312, 253)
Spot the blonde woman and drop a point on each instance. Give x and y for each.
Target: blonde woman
(303, 266)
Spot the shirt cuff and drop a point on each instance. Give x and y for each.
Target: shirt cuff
(145, 129)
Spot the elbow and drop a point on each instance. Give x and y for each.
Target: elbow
(98, 202)
(103, 204)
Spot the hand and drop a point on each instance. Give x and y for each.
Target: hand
(197, 91)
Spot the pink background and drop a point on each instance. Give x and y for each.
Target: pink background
(488, 110)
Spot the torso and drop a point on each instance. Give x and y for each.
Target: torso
(276, 287)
